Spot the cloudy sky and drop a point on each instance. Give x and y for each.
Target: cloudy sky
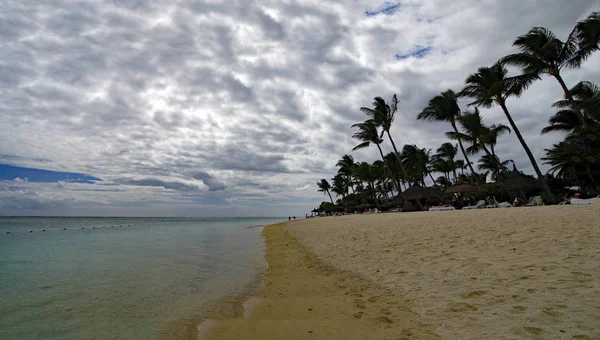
(237, 108)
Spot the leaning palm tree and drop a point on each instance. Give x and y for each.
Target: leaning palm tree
(541, 52)
(444, 107)
(324, 187)
(383, 115)
(491, 85)
(367, 134)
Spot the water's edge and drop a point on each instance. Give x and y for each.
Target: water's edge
(245, 302)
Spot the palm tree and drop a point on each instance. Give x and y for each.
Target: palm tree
(489, 86)
(473, 132)
(447, 152)
(567, 159)
(368, 173)
(444, 107)
(340, 185)
(587, 96)
(324, 187)
(588, 33)
(493, 132)
(383, 115)
(492, 165)
(345, 167)
(368, 134)
(415, 162)
(541, 52)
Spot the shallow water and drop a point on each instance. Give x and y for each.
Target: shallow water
(122, 278)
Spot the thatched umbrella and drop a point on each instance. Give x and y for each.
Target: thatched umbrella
(520, 181)
(417, 192)
(464, 188)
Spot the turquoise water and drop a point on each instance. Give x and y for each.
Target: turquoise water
(122, 278)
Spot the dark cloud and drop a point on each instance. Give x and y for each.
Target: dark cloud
(153, 182)
(212, 183)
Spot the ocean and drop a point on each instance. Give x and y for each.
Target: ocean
(124, 278)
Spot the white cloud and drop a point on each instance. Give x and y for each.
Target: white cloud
(247, 103)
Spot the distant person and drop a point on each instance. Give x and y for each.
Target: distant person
(289, 218)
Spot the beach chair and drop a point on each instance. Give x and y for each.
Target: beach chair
(441, 208)
(492, 202)
(478, 205)
(534, 201)
(580, 201)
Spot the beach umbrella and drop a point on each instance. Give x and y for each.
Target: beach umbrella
(417, 192)
(464, 188)
(520, 181)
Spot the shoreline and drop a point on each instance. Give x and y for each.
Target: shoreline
(228, 306)
(302, 296)
(507, 273)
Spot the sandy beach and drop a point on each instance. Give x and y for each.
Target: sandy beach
(513, 273)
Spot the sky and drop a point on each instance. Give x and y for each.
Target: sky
(237, 108)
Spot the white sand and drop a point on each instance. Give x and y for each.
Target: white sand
(510, 273)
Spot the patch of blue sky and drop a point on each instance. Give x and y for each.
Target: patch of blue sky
(388, 8)
(419, 53)
(10, 172)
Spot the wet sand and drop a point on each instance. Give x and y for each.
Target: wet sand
(513, 273)
(304, 298)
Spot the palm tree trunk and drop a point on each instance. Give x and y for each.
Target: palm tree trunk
(330, 197)
(397, 155)
(391, 172)
(430, 176)
(529, 154)
(400, 163)
(577, 180)
(591, 177)
(462, 148)
(570, 99)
